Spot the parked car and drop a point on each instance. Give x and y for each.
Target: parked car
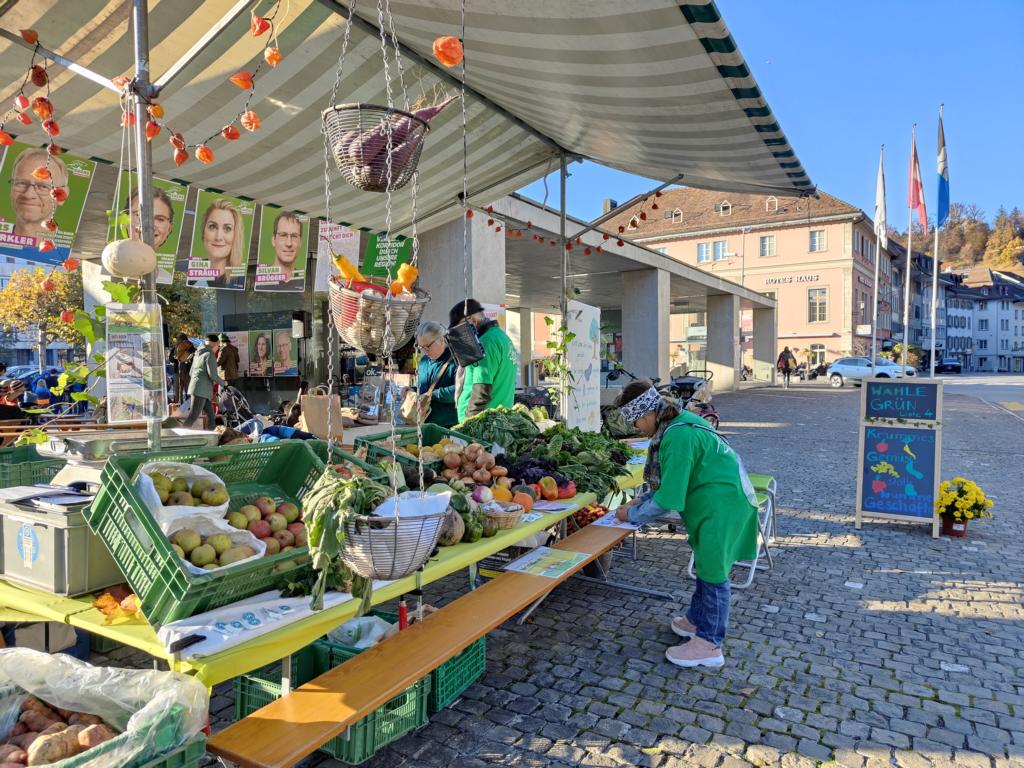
(856, 369)
(948, 365)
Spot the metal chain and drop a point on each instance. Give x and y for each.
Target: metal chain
(414, 259)
(398, 60)
(465, 164)
(332, 328)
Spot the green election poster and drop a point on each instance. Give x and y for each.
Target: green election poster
(283, 250)
(220, 241)
(383, 254)
(30, 201)
(168, 219)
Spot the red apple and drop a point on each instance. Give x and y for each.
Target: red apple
(297, 528)
(289, 510)
(260, 529)
(266, 505)
(273, 546)
(285, 537)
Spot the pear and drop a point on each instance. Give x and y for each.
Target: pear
(201, 486)
(220, 542)
(202, 555)
(179, 484)
(214, 497)
(187, 540)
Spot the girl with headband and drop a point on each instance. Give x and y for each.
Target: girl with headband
(694, 473)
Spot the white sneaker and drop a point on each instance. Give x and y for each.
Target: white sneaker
(698, 652)
(682, 627)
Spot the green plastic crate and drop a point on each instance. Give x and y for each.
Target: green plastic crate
(339, 456)
(403, 714)
(377, 450)
(101, 644)
(22, 465)
(188, 755)
(284, 470)
(451, 679)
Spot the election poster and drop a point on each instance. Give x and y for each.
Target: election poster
(168, 220)
(333, 240)
(261, 353)
(220, 241)
(240, 340)
(283, 252)
(39, 188)
(286, 353)
(384, 256)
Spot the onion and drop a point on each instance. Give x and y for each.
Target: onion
(498, 471)
(452, 461)
(482, 476)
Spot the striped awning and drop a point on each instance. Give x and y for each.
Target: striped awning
(651, 87)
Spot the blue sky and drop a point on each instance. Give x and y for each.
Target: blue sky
(846, 77)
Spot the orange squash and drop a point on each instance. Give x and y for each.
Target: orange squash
(524, 500)
(502, 494)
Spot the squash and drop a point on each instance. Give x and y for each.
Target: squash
(452, 529)
(501, 493)
(524, 500)
(528, 490)
(128, 258)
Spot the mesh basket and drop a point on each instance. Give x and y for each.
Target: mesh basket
(358, 138)
(390, 548)
(359, 316)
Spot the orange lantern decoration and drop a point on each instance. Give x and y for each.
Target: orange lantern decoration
(448, 50)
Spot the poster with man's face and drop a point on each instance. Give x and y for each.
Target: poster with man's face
(168, 214)
(28, 200)
(261, 353)
(240, 340)
(286, 353)
(220, 242)
(283, 250)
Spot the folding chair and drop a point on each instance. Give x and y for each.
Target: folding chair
(766, 484)
(765, 509)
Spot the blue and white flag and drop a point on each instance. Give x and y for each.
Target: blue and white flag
(942, 212)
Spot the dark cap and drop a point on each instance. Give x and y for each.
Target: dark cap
(224, 338)
(462, 310)
(182, 337)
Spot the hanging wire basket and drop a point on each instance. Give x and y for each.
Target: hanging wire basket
(358, 139)
(360, 315)
(387, 548)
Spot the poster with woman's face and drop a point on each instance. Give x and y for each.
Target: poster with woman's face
(286, 353)
(261, 353)
(220, 242)
(283, 250)
(168, 217)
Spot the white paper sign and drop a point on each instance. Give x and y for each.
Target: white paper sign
(611, 521)
(336, 238)
(584, 411)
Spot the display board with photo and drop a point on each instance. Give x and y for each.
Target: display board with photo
(240, 340)
(261, 353)
(286, 353)
(168, 220)
(27, 202)
(220, 241)
(136, 377)
(283, 250)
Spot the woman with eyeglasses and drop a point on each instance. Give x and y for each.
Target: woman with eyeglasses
(436, 374)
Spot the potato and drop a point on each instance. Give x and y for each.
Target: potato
(25, 739)
(12, 765)
(18, 729)
(36, 721)
(83, 718)
(13, 754)
(94, 735)
(56, 747)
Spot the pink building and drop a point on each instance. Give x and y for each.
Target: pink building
(814, 255)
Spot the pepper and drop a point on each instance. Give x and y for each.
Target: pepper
(568, 491)
(407, 274)
(549, 488)
(348, 271)
(537, 492)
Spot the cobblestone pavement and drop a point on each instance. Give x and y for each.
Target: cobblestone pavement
(862, 648)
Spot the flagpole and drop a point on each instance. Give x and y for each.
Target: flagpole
(878, 256)
(935, 252)
(910, 250)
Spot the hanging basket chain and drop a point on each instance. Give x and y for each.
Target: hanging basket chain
(466, 213)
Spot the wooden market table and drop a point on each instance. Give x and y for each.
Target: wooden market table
(272, 646)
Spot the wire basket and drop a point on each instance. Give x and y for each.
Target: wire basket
(359, 315)
(357, 135)
(390, 548)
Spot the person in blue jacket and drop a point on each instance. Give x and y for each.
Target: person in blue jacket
(436, 374)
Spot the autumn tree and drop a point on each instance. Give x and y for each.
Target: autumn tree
(1005, 246)
(33, 300)
(182, 309)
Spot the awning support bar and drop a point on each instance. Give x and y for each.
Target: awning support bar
(201, 45)
(78, 69)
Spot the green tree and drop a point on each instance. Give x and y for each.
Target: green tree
(181, 310)
(33, 300)
(1005, 246)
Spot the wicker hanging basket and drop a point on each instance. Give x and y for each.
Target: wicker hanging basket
(359, 315)
(357, 135)
(388, 548)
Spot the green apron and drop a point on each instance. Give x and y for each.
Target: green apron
(703, 479)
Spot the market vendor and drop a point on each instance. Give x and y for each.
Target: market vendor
(436, 374)
(693, 472)
(491, 381)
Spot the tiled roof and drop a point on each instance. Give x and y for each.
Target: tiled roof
(700, 210)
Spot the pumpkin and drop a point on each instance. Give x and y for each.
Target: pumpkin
(452, 529)
(524, 500)
(525, 489)
(129, 258)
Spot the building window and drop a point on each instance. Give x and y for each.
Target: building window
(703, 252)
(724, 208)
(1004, 324)
(634, 223)
(720, 254)
(771, 204)
(817, 305)
(817, 354)
(983, 325)
(677, 216)
(767, 247)
(817, 240)
(982, 343)
(864, 307)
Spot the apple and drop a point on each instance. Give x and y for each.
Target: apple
(260, 529)
(266, 505)
(285, 549)
(289, 510)
(251, 512)
(238, 520)
(285, 537)
(273, 546)
(299, 532)
(277, 522)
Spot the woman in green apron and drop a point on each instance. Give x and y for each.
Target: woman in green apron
(693, 472)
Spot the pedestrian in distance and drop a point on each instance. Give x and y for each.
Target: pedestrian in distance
(203, 376)
(182, 356)
(228, 361)
(785, 365)
(695, 474)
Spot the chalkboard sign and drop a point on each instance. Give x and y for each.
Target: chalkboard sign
(898, 473)
(906, 399)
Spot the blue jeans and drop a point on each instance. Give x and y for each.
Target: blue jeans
(709, 611)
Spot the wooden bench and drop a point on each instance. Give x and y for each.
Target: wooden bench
(283, 732)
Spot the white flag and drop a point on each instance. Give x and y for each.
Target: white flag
(880, 228)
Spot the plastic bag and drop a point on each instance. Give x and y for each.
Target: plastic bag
(364, 632)
(166, 515)
(158, 711)
(204, 526)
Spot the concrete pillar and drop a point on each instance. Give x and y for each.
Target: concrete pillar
(520, 330)
(443, 270)
(645, 322)
(723, 352)
(765, 344)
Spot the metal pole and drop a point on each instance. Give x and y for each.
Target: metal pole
(935, 300)
(144, 158)
(564, 304)
(906, 289)
(874, 308)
